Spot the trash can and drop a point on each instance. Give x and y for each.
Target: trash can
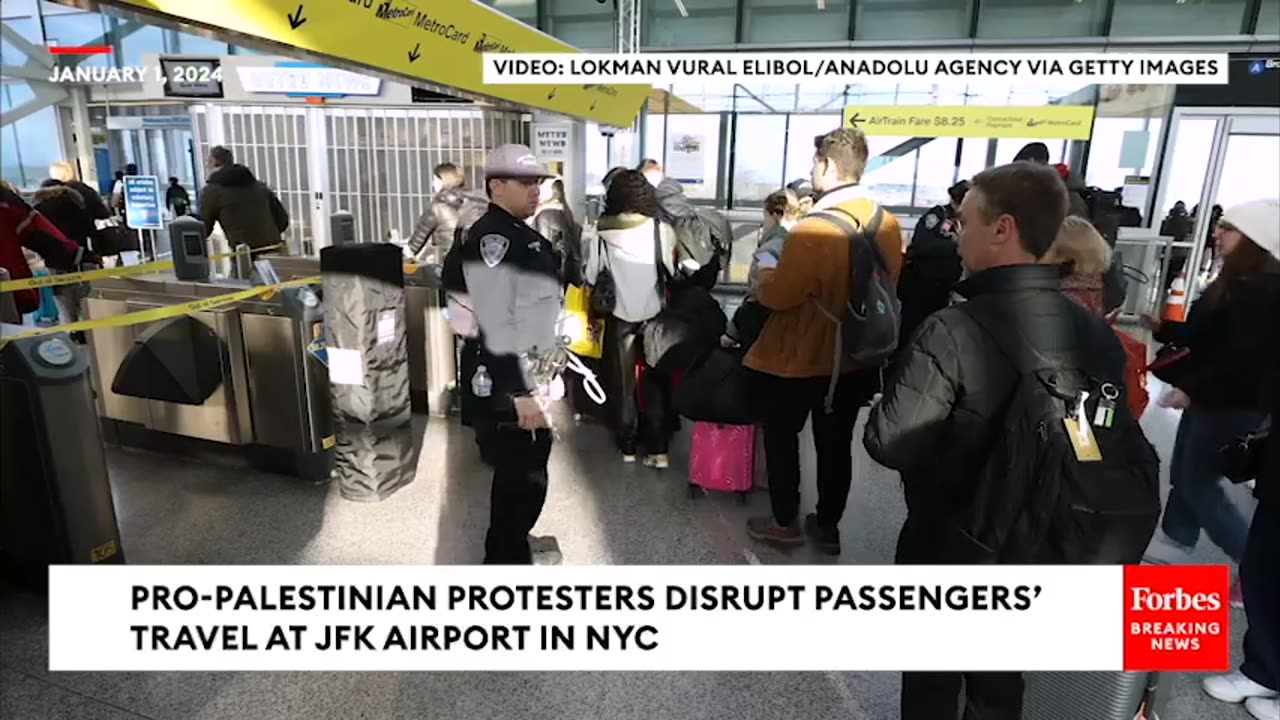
(55, 497)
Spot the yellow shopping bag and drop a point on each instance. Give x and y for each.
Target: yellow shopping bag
(586, 334)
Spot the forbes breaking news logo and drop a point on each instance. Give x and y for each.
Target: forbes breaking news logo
(1177, 617)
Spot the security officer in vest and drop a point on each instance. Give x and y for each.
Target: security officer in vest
(513, 274)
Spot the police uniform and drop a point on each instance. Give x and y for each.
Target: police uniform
(513, 274)
(930, 269)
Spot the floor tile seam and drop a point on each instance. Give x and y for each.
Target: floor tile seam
(49, 680)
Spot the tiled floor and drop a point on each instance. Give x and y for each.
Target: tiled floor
(601, 512)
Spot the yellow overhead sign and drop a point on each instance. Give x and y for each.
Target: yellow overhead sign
(1043, 122)
(439, 42)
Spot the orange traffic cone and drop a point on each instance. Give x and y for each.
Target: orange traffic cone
(1175, 308)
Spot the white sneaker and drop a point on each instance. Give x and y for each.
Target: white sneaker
(1164, 550)
(1235, 688)
(1263, 708)
(658, 462)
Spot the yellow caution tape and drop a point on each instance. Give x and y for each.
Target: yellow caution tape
(123, 271)
(161, 313)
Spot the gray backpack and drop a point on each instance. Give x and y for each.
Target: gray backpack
(868, 331)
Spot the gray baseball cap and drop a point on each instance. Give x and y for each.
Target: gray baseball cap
(514, 161)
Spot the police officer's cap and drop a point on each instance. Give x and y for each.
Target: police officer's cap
(802, 188)
(514, 161)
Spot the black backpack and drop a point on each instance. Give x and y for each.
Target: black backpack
(868, 332)
(1034, 501)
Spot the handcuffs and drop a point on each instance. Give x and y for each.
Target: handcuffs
(545, 368)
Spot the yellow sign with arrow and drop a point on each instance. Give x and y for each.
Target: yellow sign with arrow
(1038, 122)
(439, 42)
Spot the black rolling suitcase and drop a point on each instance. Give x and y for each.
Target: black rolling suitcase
(1093, 696)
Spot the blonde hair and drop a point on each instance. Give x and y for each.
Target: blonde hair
(1079, 244)
(62, 170)
(782, 203)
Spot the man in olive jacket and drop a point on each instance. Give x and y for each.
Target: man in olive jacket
(248, 210)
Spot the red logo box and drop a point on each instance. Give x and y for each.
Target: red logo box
(1177, 617)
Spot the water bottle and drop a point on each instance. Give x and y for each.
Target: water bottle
(481, 383)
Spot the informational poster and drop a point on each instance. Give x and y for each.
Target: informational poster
(142, 205)
(551, 142)
(687, 158)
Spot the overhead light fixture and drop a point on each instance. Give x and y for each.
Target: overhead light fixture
(681, 8)
(822, 4)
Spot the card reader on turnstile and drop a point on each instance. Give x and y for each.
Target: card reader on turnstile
(55, 497)
(314, 459)
(342, 228)
(190, 251)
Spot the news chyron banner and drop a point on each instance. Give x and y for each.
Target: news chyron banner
(857, 67)
(722, 618)
(439, 42)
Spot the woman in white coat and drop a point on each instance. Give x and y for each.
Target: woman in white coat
(626, 250)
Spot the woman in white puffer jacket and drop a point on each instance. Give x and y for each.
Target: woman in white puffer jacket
(629, 239)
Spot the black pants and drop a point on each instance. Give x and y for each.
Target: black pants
(789, 402)
(987, 696)
(623, 350)
(936, 696)
(473, 408)
(1261, 586)
(519, 490)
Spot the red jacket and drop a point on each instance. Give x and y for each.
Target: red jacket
(21, 226)
(1087, 291)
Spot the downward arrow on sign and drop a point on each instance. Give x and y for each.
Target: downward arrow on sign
(414, 54)
(295, 19)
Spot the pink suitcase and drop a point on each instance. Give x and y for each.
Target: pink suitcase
(723, 457)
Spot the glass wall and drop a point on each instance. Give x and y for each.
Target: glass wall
(1041, 18)
(709, 23)
(1163, 18)
(765, 135)
(778, 21)
(584, 25)
(913, 19)
(673, 23)
(1268, 18)
(27, 145)
(525, 11)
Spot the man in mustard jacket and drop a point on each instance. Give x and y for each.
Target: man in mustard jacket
(794, 353)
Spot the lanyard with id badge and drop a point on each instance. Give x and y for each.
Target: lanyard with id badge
(1080, 429)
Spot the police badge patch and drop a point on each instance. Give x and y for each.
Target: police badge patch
(930, 221)
(493, 248)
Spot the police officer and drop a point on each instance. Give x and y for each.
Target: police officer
(932, 263)
(513, 276)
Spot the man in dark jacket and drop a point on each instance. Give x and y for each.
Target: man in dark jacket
(452, 212)
(948, 390)
(248, 210)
